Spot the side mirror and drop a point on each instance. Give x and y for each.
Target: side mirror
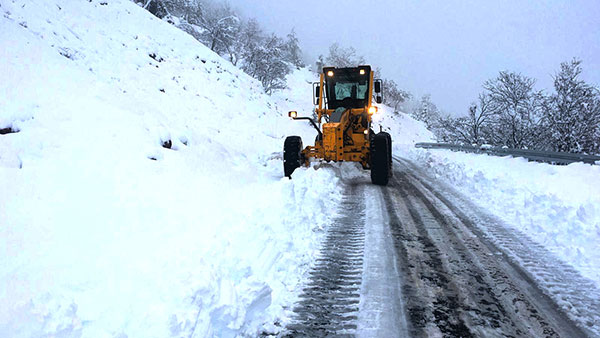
(377, 86)
(317, 92)
(378, 99)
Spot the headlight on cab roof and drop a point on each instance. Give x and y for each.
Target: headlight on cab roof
(372, 110)
(293, 114)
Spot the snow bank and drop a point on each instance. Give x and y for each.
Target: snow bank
(405, 130)
(143, 194)
(557, 206)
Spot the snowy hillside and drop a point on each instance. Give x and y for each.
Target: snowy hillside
(142, 185)
(104, 232)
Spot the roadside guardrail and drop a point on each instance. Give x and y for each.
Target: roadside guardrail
(552, 157)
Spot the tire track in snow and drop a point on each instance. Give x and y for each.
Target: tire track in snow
(506, 295)
(432, 299)
(329, 303)
(455, 279)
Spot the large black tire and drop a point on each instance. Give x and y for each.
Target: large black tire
(292, 155)
(389, 138)
(380, 159)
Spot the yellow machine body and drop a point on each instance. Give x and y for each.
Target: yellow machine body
(347, 139)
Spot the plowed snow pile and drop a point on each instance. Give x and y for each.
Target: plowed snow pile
(556, 206)
(106, 233)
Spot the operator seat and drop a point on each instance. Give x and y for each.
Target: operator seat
(336, 116)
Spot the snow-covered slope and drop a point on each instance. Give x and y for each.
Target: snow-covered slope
(405, 130)
(557, 206)
(104, 232)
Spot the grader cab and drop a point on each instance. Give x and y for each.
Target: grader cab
(344, 110)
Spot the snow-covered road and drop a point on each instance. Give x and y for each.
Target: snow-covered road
(105, 231)
(416, 258)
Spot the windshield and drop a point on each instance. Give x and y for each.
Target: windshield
(347, 88)
(350, 89)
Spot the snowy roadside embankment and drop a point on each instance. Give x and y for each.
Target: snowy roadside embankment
(557, 206)
(405, 130)
(142, 195)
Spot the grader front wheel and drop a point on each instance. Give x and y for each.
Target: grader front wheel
(292, 154)
(389, 138)
(381, 158)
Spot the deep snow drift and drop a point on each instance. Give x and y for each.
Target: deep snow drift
(106, 233)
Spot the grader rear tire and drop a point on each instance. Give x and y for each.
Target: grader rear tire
(380, 159)
(292, 155)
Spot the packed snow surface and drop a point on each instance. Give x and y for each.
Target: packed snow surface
(556, 206)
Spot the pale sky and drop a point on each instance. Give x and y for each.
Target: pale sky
(445, 48)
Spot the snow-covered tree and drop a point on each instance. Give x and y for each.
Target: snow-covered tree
(248, 43)
(221, 28)
(181, 9)
(264, 57)
(320, 63)
(516, 106)
(394, 96)
(266, 62)
(479, 120)
(572, 114)
(426, 111)
(343, 57)
(453, 129)
(475, 128)
(186, 16)
(276, 68)
(292, 51)
(511, 112)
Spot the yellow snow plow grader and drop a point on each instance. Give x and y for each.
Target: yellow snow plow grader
(344, 110)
